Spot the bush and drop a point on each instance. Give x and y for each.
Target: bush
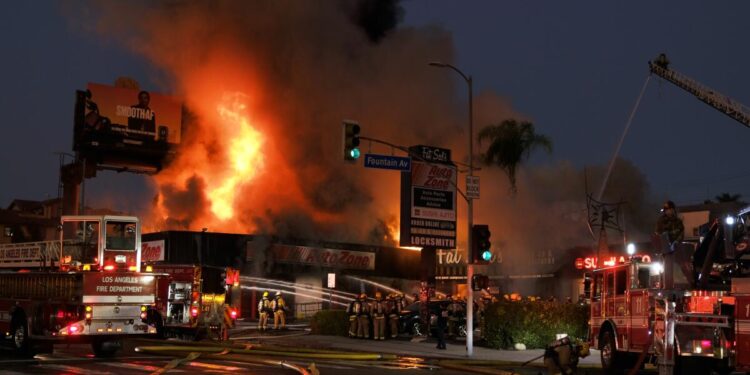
(330, 322)
(534, 324)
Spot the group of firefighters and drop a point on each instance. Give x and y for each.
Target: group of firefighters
(360, 312)
(276, 307)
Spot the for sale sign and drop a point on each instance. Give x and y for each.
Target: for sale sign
(428, 199)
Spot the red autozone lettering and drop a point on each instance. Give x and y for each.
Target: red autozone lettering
(439, 178)
(348, 259)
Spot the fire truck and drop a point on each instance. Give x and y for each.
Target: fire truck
(689, 312)
(86, 287)
(198, 293)
(194, 301)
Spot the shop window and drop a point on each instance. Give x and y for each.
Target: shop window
(610, 283)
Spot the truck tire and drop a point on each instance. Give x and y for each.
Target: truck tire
(21, 342)
(104, 348)
(611, 359)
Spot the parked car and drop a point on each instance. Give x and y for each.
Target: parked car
(411, 323)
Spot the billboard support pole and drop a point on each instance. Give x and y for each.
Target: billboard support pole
(82, 210)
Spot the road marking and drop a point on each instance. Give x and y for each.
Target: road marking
(133, 366)
(214, 366)
(73, 369)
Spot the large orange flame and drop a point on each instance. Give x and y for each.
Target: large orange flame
(244, 156)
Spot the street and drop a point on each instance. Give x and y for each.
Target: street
(398, 356)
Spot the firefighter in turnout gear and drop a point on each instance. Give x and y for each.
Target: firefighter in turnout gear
(354, 309)
(394, 308)
(455, 311)
(264, 310)
(378, 309)
(670, 223)
(363, 325)
(279, 311)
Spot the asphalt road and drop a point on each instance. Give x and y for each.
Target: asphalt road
(77, 359)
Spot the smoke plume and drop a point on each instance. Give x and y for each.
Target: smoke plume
(283, 74)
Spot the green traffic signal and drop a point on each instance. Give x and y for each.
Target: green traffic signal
(351, 141)
(487, 255)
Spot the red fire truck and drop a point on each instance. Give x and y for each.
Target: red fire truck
(86, 287)
(194, 301)
(689, 313)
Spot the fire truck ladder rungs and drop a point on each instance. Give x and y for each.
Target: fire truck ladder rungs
(705, 94)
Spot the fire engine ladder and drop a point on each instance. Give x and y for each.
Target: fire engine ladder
(715, 99)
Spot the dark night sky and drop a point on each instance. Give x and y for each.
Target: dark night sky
(574, 68)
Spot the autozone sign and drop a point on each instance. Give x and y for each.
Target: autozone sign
(428, 199)
(323, 257)
(152, 251)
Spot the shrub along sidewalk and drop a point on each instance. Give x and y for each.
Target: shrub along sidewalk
(534, 324)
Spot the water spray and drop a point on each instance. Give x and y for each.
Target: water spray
(319, 298)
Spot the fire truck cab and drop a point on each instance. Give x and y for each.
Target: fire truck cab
(634, 315)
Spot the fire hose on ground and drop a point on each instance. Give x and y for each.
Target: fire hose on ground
(246, 353)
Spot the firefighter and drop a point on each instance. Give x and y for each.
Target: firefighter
(354, 309)
(455, 311)
(363, 319)
(378, 309)
(394, 308)
(671, 224)
(562, 356)
(264, 309)
(279, 311)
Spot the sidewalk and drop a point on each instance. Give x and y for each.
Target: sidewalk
(425, 349)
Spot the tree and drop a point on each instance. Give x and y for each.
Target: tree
(510, 143)
(726, 197)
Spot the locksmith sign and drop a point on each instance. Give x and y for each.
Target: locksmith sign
(428, 199)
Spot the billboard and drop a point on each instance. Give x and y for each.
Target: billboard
(428, 199)
(123, 127)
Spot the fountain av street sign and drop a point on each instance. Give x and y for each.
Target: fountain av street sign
(396, 163)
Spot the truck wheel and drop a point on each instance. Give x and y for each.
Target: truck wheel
(610, 357)
(105, 348)
(21, 342)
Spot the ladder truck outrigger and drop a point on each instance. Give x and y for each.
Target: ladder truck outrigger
(85, 287)
(690, 312)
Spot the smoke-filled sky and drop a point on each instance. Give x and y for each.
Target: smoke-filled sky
(296, 69)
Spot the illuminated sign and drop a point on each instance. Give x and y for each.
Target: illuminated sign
(591, 262)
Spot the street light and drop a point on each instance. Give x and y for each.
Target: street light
(470, 213)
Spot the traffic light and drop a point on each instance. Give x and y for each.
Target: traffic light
(480, 282)
(351, 141)
(481, 247)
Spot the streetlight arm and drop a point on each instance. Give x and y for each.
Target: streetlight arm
(446, 65)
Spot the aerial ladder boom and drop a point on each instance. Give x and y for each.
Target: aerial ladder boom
(719, 101)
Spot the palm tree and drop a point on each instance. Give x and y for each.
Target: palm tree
(511, 142)
(726, 197)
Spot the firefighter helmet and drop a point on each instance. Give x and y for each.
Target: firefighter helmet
(668, 205)
(265, 294)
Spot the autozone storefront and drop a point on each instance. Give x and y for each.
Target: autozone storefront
(304, 273)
